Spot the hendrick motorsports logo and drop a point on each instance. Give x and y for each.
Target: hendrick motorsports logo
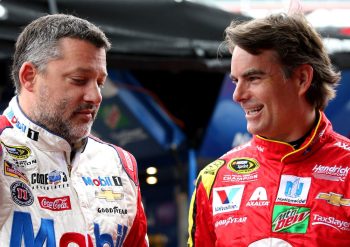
(243, 165)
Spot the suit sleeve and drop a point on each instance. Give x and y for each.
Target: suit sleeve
(137, 236)
(201, 231)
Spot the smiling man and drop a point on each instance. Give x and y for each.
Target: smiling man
(60, 185)
(289, 185)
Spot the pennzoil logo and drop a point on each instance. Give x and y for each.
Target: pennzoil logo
(334, 199)
(243, 165)
(18, 152)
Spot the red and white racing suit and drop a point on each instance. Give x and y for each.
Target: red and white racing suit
(47, 199)
(266, 193)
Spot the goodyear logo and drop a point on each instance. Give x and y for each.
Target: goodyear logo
(18, 152)
(243, 165)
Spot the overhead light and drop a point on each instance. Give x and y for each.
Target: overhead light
(3, 12)
(151, 170)
(151, 180)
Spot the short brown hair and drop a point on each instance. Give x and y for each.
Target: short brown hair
(296, 42)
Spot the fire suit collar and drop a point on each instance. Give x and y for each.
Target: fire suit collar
(32, 132)
(284, 151)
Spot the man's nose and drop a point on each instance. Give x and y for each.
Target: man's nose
(93, 94)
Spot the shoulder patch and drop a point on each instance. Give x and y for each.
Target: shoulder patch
(4, 123)
(208, 174)
(129, 163)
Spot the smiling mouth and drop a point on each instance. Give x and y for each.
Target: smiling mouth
(253, 111)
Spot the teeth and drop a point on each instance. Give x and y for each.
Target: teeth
(253, 111)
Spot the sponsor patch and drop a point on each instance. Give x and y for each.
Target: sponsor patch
(55, 204)
(103, 181)
(339, 225)
(213, 166)
(21, 194)
(109, 195)
(258, 198)
(230, 220)
(32, 134)
(240, 178)
(343, 145)
(52, 180)
(17, 152)
(112, 210)
(290, 219)
(334, 199)
(293, 189)
(11, 171)
(227, 199)
(243, 165)
(332, 173)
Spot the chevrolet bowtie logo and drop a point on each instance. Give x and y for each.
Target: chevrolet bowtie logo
(334, 199)
(109, 195)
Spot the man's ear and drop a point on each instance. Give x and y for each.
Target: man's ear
(27, 74)
(304, 75)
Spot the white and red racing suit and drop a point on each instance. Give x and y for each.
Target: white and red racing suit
(50, 197)
(266, 193)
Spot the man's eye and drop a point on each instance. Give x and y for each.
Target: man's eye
(79, 80)
(254, 78)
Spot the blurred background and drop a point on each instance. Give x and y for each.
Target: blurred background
(168, 98)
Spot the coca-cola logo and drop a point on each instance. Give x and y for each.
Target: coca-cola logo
(55, 204)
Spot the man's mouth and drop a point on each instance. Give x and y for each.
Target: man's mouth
(253, 111)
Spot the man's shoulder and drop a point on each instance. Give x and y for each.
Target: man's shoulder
(340, 142)
(4, 123)
(127, 159)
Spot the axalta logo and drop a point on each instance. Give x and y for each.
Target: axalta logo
(334, 199)
(293, 189)
(226, 199)
(243, 165)
(258, 198)
(333, 173)
(22, 230)
(103, 181)
(17, 152)
(290, 219)
(343, 145)
(339, 225)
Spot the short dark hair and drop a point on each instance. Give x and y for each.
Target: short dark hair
(296, 42)
(38, 42)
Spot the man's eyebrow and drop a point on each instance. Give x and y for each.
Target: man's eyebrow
(253, 71)
(232, 78)
(248, 73)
